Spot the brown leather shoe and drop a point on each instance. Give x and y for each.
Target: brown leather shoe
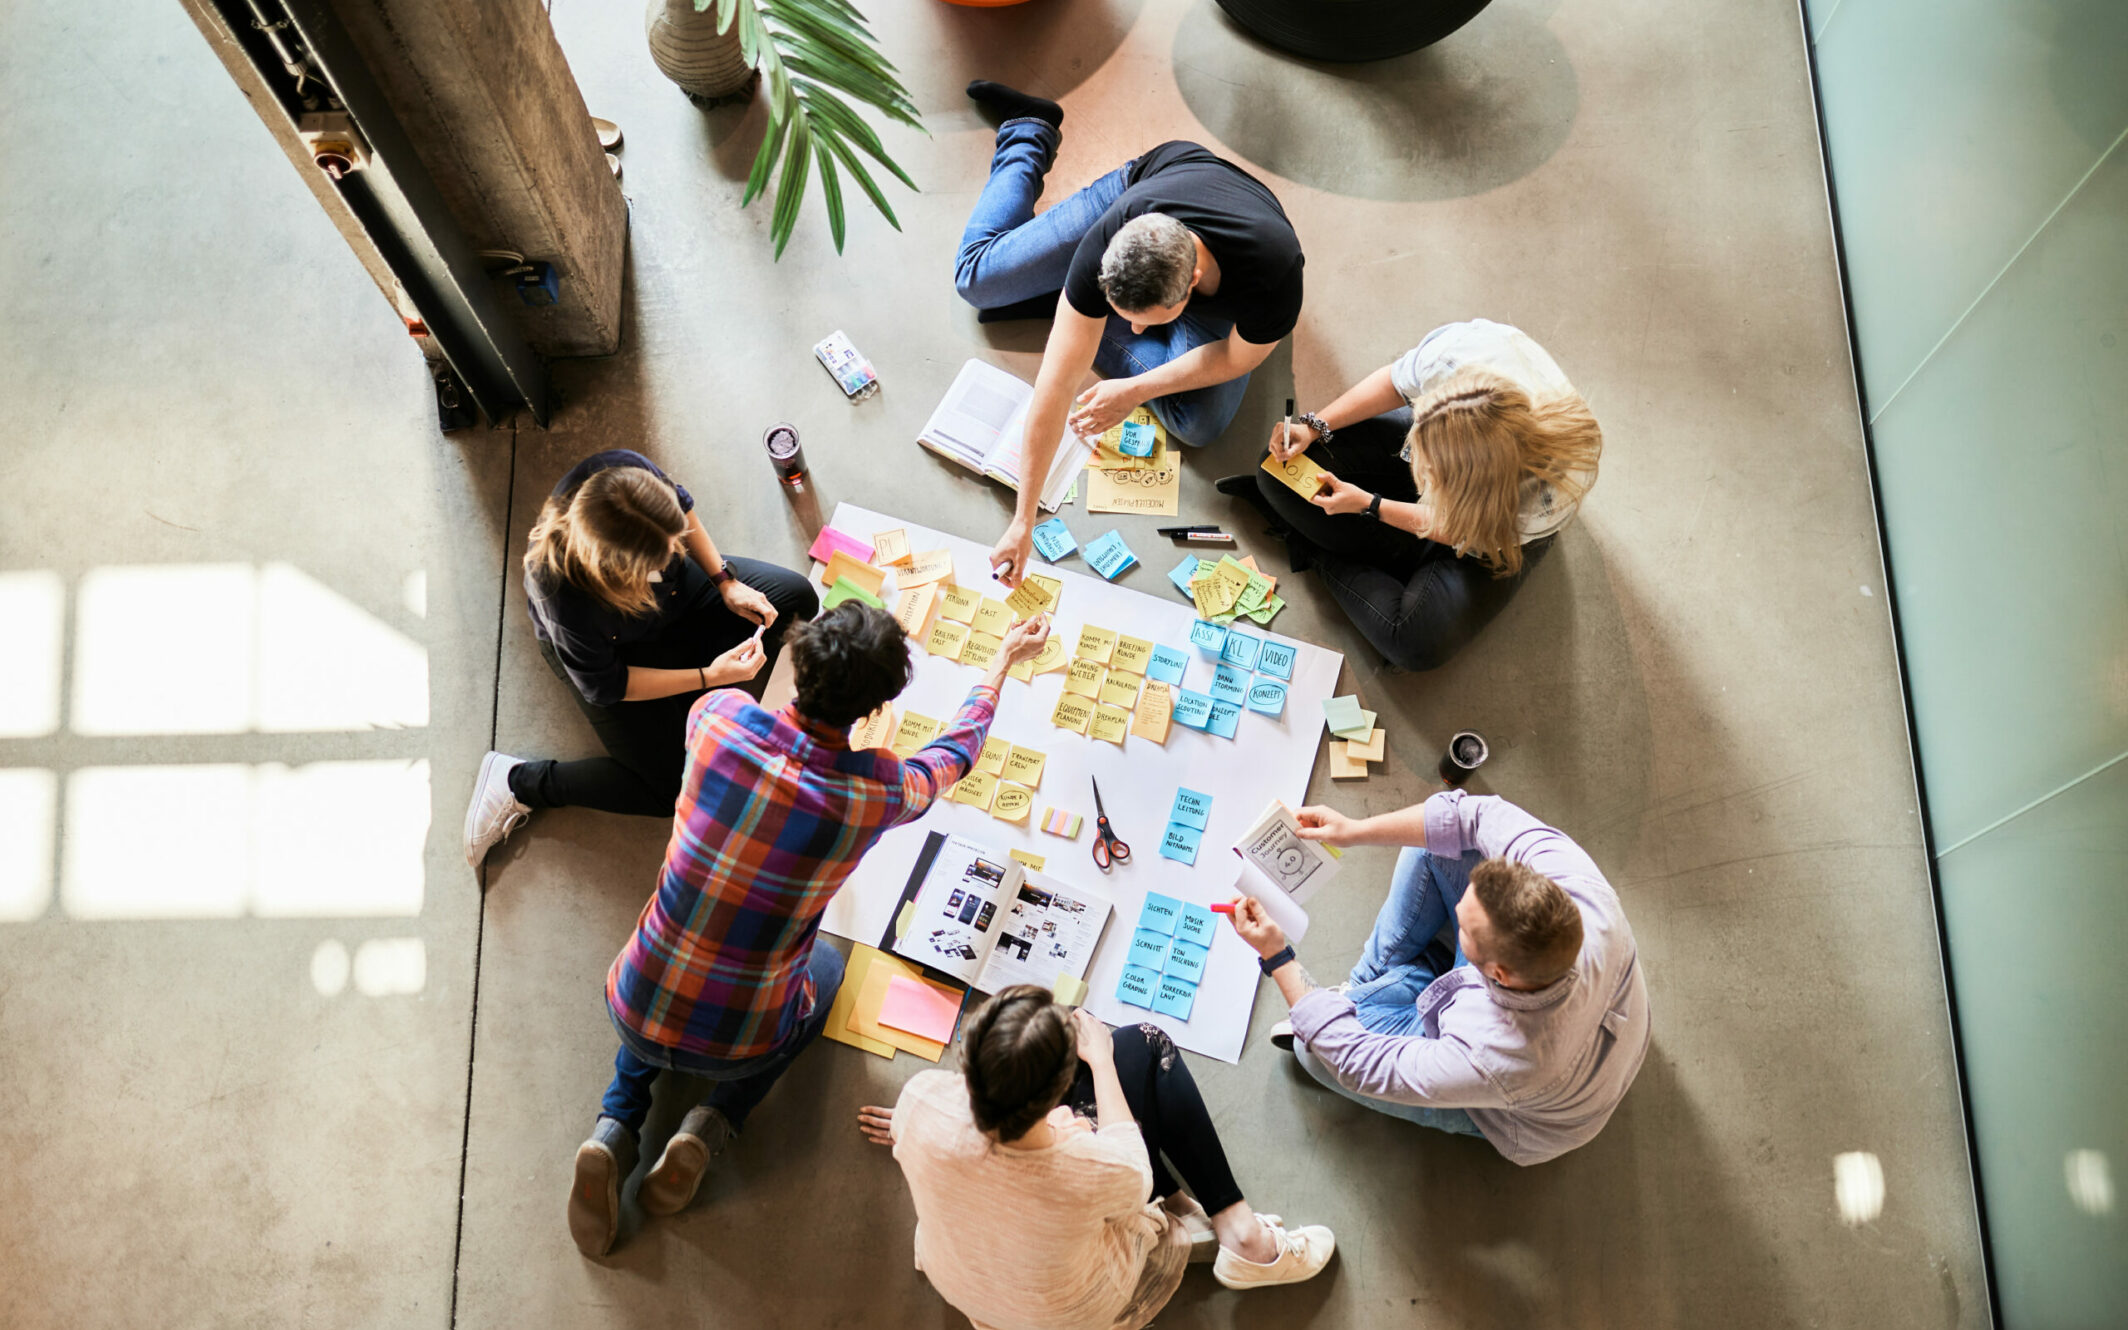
(674, 1179)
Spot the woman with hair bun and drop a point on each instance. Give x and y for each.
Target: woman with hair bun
(638, 614)
(1452, 470)
(1041, 1199)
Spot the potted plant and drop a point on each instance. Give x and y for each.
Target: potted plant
(809, 55)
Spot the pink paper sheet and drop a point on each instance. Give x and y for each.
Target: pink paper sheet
(920, 1009)
(829, 540)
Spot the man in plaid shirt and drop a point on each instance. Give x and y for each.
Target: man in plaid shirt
(723, 978)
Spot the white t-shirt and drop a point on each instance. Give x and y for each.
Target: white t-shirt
(1061, 1238)
(1509, 353)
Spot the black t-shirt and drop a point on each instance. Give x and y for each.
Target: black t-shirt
(1235, 215)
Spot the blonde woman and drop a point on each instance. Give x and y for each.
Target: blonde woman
(639, 615)
(1453, 468)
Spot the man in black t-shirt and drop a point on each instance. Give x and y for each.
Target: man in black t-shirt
(1173, 275)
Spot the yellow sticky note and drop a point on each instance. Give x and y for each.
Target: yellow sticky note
(1120, 690)
(1095, 644)
(1301, 474)
(1110, 723)
(947, 638)
(1069, 990)
(976, 789)
(844, 564)
(1028, 599)
(1012, 803)
(992, 758)
(1053, 587)
(1230, 571)
(930, 566)
(875, 730)
(1084, 678)
(1024, 671)
(1073, 713)
(913, 733)
(1034, 861)
(1051, 656)
(1212, 595)
(912, 607)
(1025, 766)
(1131, 655)
(890, 547)
(1343, 765)
(958, 603)
(979, 650)
(992, 617)
(1156, 709)
(1371, 748)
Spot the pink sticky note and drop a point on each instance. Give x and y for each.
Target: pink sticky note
(920, 1009)
(829, 540)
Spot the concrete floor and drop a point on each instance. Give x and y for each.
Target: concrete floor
(1699, 685)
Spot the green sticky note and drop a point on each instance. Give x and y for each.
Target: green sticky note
(844, 589)
(1342, 713)
(1267, 611)
(1359, 729)
(1253, 595)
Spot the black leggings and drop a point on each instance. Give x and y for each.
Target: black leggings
(1171, 1116)
(1414, 600)
(646, 742)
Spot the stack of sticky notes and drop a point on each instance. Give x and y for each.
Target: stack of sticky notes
(1186, 822)
(1107, 555)
(885, 1003)
(1168, 951)
(1228, 588)
(1053, 540)
(1357, 740)
(1060, 822)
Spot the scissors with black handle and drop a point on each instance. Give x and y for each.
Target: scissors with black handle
(1108, 847)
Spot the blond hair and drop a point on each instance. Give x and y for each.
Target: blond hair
(1479, 437)
(608, 536)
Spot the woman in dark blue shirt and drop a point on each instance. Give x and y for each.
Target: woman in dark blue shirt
(639, 614)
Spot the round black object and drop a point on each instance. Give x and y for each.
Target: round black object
(1351, 30)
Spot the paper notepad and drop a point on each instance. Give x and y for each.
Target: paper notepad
(981, 424)
(921, 1007)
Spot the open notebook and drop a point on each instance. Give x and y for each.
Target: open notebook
(991, 922)
(981, 424)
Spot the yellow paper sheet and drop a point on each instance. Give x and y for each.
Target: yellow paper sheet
(930, 566)
(890, 547)
(1052, 656)
(1034, 861)
(913, 733)
(1095, 644)
(947, 638)
(1370, 749)
(958, 603)
(1028, 599)
(1151, 492)
(1110, 724)
(1301, 475)
(843, 564)
(1073, 713)
(853, 976)
(992, 617)
(976, 789)
(872, 994)
(1132, 654)
(1025, 766)
(1156, 710)
(1120, 690)
(1012, 803)
(912, 608)
(992, 758)
(979, 650)
(1084, 678)
(875, 730)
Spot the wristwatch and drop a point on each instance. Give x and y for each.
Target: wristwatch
(723, 576)
(1323, 433)
(1374, 509)
(1277, 958)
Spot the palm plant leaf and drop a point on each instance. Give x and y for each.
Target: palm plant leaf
(808, 52)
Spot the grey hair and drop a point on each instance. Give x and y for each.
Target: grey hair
(1149, 263)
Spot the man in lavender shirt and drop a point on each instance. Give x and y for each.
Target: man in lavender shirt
(1527, 1033)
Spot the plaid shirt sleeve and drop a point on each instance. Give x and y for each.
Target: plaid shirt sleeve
(947, 758)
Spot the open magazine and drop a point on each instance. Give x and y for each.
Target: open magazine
(991, 922)
(981, 424)
(1280, 869)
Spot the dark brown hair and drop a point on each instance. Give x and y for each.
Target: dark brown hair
(847, 662)
(1536, 926)
(1018, 1055)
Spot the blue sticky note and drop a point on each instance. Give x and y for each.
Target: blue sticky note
(1267, 696)
(1138, 439)
(1225, 719)
(1191, 809)
(1148, 948)
(1107, 555)
(1174, 997)
(1184, 571)
(1196, 925)
(1159, 913)
(1186, 961)
(1053, 540)
(1180, 843)
(1277, 659)
(1240, 650)
(1192, 709)
(1137, 986)
(1229, 684)
(1166, 665)
(1209, 638)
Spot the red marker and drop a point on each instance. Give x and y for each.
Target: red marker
(1224, 907)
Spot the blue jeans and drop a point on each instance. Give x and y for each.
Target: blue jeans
(1403, 955)
(740, 1083)
(1009, 255)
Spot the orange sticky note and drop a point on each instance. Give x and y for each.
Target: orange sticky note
(845, 564)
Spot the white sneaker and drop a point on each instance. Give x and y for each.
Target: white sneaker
(1282, 1036)
(1302, 1254)
(494, 812)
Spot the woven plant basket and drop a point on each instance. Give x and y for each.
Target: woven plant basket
(688, 50)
